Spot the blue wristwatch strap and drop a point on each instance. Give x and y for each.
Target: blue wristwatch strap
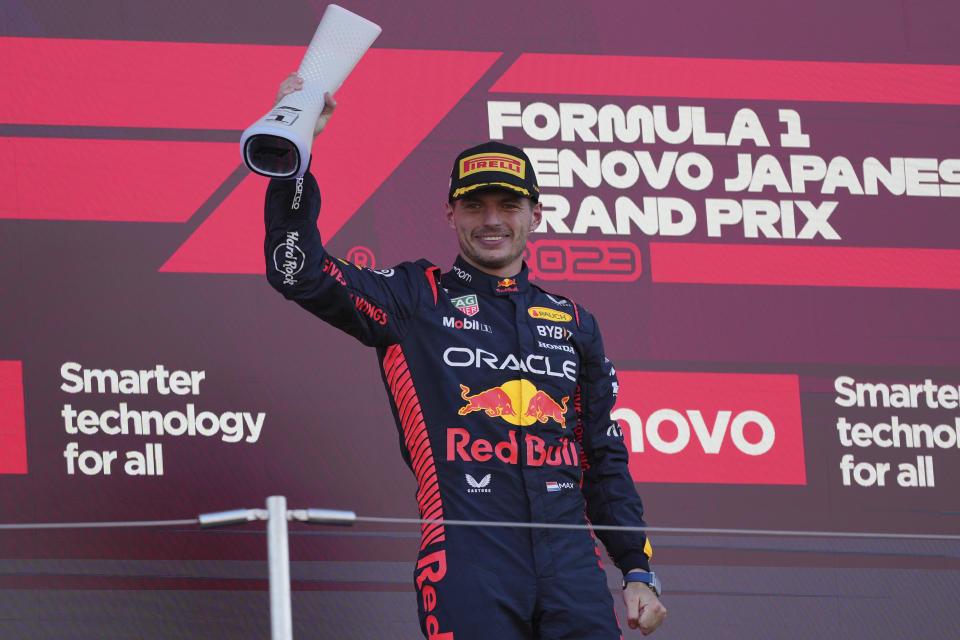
(650, 579)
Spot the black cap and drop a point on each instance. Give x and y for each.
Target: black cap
(493, 165)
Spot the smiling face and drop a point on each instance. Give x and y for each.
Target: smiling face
(492, 228)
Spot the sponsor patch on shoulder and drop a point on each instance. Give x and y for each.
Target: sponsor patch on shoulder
(543, 313)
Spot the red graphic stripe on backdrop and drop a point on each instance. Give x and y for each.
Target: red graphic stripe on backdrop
(131, 180)
(139, 84)
(805, 266)
(382, 116)
(186, 85)
(725, 78)
(13, 440)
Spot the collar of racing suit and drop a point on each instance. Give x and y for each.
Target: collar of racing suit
(481, 281)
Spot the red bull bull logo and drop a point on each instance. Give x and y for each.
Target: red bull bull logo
(542, 408)
(496, 402)
(507, 285)
(518, 402)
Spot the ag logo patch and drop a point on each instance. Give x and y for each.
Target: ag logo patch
(467, 304)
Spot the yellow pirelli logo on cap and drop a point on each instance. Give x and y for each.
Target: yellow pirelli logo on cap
(502, 162)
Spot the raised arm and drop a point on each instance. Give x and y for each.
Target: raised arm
(374, 307)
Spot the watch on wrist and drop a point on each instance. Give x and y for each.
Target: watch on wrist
(650, 578)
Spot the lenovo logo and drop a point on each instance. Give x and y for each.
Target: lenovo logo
(708, 427)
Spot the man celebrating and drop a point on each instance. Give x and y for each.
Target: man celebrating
(502, 396)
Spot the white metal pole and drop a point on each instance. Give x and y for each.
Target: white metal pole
(278, 555)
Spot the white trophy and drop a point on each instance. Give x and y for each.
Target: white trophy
(278, 144)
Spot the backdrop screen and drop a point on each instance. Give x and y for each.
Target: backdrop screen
(756, 199)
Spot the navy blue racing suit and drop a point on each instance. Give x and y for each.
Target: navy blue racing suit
(502, 396)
